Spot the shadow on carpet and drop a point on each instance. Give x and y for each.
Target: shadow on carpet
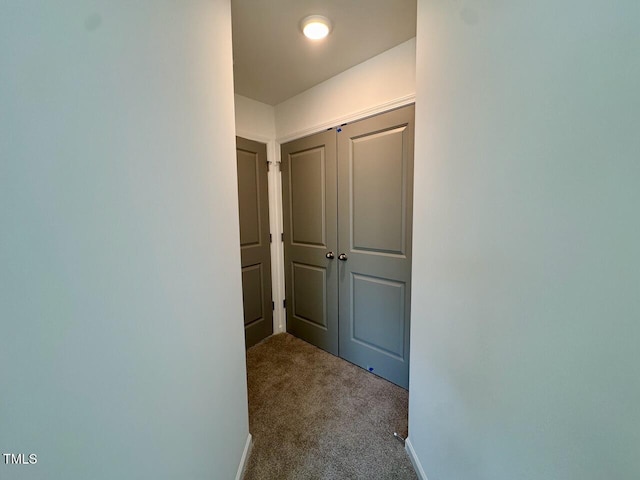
(316, 416)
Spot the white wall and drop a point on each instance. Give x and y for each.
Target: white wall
(383, 82)
(120, 300)
(526, 277)
(254, 119)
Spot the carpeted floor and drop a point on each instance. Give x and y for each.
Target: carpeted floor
(315, 416)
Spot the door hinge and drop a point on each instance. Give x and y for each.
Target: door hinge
(278, 164)
(273, 305)
(270, 238)
(284, 303)
(282, 237)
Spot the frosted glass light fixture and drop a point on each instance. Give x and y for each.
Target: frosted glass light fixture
(315, 27)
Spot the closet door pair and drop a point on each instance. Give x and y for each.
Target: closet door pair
(347, 211)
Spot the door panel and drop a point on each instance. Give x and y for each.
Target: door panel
(253, 203)
(308, 197)
(375, 192)
(252, 294)
(310, 231)
(378, 314)
(248, 197)
(378, 190)
(309, 294)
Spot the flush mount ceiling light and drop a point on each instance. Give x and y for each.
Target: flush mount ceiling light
(315, 27)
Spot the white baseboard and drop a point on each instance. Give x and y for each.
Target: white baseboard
(245, 457)
(414, 459)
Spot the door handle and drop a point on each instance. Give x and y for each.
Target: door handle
(342, 257)
(330, 255)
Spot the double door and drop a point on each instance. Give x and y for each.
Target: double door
(347, 211)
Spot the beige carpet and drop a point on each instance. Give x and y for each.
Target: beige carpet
(315, 416)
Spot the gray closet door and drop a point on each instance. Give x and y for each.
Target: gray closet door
(375, 193)
(310, 239)
(253, 201)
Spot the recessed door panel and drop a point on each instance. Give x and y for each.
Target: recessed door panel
(379, 191)
(307, 188)
(309, 294)
(252, 294)
(309, 197)
(255, 250)
(248, 197)
(378, 314)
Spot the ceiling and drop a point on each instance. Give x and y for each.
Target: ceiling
(273, 61)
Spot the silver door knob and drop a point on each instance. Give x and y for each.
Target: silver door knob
(342, 257)
(330, 255)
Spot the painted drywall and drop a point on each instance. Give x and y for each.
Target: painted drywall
(526, 275)
(254, 119)
(120, 302)
(382, 80)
